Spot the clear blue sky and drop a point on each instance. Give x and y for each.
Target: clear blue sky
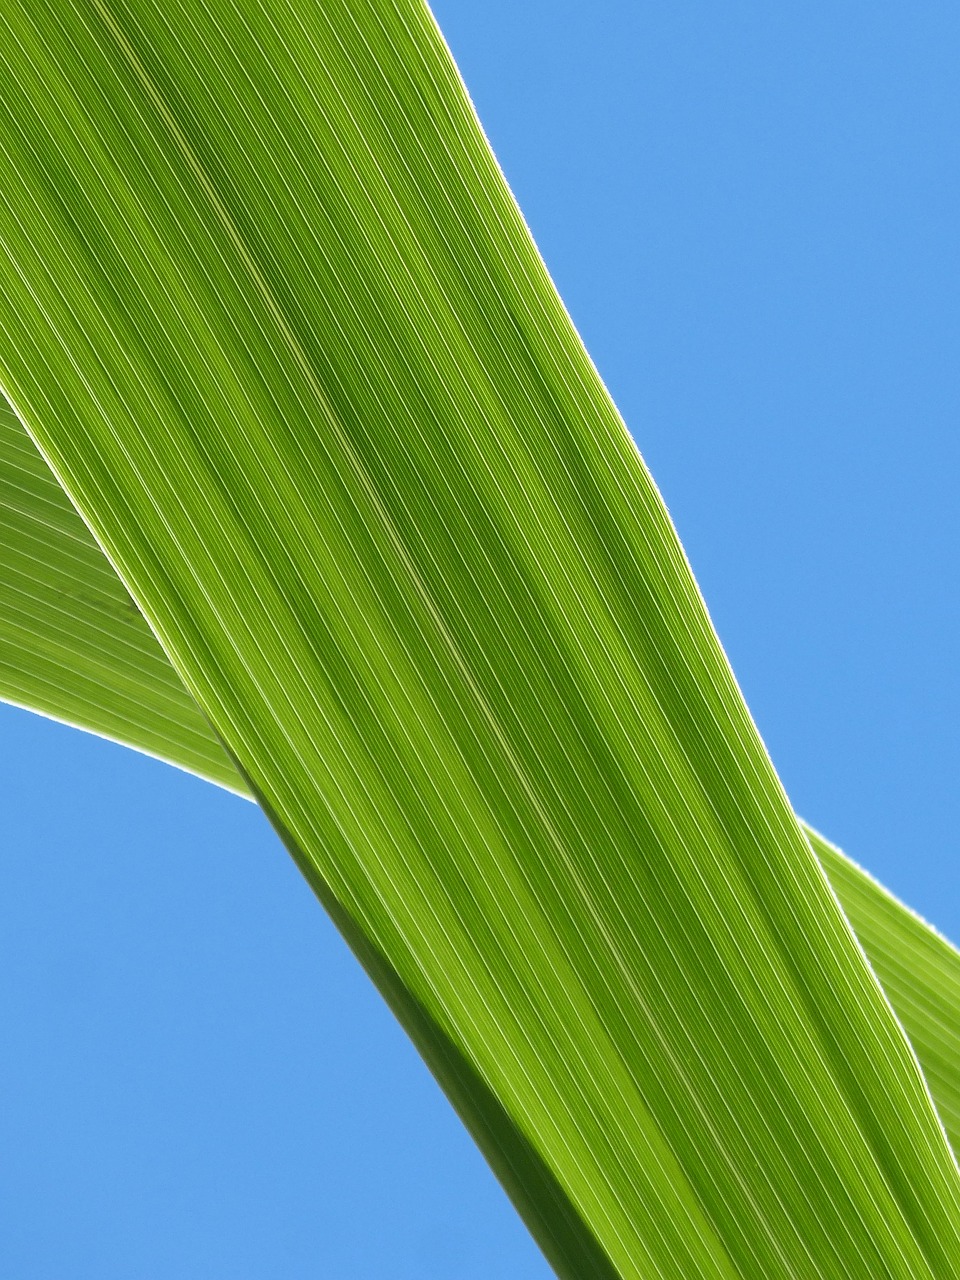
(752, 211)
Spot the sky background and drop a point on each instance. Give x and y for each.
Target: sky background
(751, 211)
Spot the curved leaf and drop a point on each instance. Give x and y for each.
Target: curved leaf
(73, 644)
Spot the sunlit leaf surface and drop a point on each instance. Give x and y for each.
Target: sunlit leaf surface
(273, 319)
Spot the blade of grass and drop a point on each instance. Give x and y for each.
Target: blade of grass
(274, 321)
(72, 645)
(917, 968)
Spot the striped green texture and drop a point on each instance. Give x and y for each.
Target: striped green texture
(73, 646)
(272, 317)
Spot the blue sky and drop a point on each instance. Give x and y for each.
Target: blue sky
(751, 212)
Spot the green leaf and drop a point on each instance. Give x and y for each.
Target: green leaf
(73, 646)
(918, 969)
(275, 322)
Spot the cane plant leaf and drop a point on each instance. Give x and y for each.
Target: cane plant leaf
(275, 323)
(73, 645)
(918, 968)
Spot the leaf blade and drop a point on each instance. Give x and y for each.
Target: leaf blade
(918, 968)
(359, 676)
(73, 644)
(80, 665)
